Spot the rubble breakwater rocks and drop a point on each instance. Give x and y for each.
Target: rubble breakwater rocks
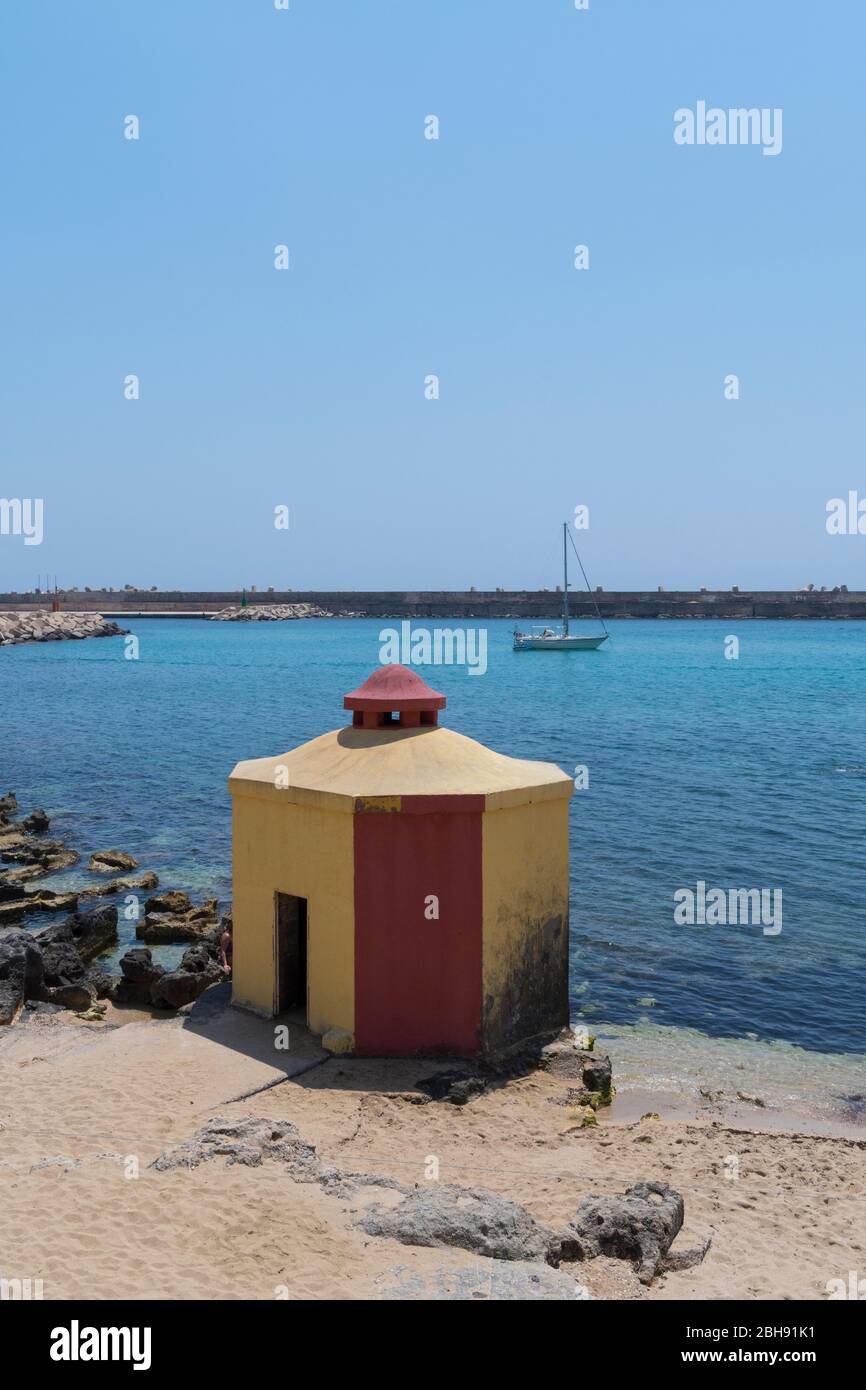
(275, 613)
(41, 626)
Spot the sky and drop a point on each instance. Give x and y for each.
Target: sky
(409, 258)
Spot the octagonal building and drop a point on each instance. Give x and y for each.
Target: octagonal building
(403, 884)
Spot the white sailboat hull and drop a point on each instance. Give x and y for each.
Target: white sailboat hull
(557, 644)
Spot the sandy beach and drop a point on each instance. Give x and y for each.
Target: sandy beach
(87, 1107)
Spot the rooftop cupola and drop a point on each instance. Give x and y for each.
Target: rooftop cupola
(394, 696)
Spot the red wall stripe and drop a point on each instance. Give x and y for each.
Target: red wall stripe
(417, 980)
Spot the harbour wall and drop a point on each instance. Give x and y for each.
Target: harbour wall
(532, 605)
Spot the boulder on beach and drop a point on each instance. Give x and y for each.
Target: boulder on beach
(109, 861)
(469, 1218)
(639, 1225)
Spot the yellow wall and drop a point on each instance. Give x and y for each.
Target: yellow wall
(525, 945)
(287, 848)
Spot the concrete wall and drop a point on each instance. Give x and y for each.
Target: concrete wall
(531, 606)
(302, 850)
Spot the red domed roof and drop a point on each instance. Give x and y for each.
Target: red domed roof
(396, 689)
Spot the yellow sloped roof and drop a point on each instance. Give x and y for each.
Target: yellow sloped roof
(352, 764)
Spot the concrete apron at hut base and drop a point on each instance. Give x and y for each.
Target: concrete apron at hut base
(424, 883)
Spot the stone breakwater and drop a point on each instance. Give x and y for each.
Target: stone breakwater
(276, 613)
(41, 626)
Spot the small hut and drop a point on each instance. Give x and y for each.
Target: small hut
(401, 887)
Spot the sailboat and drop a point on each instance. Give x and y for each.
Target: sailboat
(545, 639)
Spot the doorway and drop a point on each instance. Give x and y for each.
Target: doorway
(290, 954)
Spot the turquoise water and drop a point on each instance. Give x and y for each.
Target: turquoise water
(746, 773)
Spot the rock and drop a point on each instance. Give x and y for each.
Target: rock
(200, 958)
(168, 902)
(179, 987)
(470, 1219)
(246, 1140)
(190, 924)
(142, 884)
(37, 822)
(28, 851)
(564, 1057)
(60, 960)
(498, 1280)
(139, 974)
(8, 804)
(79, 996)
(138, 966)
(21, 974)
(104, 984)
(338, 1041)
(640, 1225)
(12, 880)
(456, 1087)
(36, 625)
(11, 1001)
(91, 932)
(108, 861)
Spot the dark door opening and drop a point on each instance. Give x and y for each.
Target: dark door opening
(290, 950)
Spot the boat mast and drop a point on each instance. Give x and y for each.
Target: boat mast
(565, 579)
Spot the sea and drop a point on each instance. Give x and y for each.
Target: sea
(698, 761)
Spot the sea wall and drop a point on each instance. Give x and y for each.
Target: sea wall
(525, 604)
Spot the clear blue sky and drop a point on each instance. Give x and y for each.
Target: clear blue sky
(411, 257)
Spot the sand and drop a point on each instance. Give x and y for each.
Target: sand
(86, 1107)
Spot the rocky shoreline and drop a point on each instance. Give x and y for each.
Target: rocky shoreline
(42, 626)
(53, 966)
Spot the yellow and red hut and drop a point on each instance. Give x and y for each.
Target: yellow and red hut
(402, 885)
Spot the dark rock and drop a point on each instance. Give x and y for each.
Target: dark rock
(21, 957)
(37, 822)
(108, 861)
(138, 966)
(79, 996)
(456, 1087)
(139, 974)
(597, 1073)
(91, 932)
(201, 957)
(470, 1219)
(11, 1001)
(179, 987)
(104, 984)
(9, 803)
(60, 959)
(640, 1225)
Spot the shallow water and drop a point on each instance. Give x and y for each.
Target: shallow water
(742, 773)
